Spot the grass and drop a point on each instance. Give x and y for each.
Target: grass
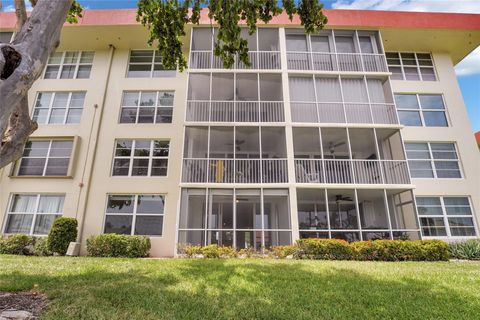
(95, 288)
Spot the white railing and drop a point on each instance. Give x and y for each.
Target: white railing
(235, 171)
(367, 62)
(351, 171)
(336, 112)
(235, 111)
(258, 60)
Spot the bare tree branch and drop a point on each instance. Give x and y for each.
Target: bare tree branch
(21, 13)
(19, 129)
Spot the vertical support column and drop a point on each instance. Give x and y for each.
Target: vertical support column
(289, 136)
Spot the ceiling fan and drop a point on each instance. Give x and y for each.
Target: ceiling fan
(340, 197)
(332, 146)
(238, 143)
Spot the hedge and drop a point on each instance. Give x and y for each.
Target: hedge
(63, 231)
(466, 250)
(118, 245)
(335, 249)
(22, 244)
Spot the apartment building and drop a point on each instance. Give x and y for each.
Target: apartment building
(358, 132)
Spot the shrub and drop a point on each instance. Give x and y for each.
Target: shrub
(191, 251)
(466, 250)
(248, 252)
(40, 248)
(20, 244)
(63, 231)
(118, 245)
(282, 252)
(215, 251)
(324, 249)
(400, 250)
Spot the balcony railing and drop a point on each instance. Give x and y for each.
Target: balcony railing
(373, 113)
(367, 62)
(235, 111)
(351, 171)
(259, 60)
(235, 171)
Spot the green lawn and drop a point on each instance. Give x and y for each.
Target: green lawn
(92, 288)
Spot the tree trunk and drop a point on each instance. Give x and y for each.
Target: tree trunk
(21, 63)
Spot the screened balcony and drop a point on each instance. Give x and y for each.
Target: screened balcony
(341, 99)
(235, 97)
(235, 155)
(241, 218)
(357, 214)
(335, 50)
(349, 156)
(264, 51)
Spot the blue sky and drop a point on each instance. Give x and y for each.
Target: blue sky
(468, 71)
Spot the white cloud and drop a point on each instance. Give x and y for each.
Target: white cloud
(11, 8)
(469, 65)
(466, 6)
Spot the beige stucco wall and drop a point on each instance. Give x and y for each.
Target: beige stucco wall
(459, 132)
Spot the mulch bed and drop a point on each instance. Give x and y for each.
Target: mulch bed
(32, 302)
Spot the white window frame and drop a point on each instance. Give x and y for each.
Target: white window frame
(152, 65)
(421, 110)
(35, 213)
(47, 158)
(134, 214)
(432, 159)
(417, 65)
(67, 107)
(157, 106)
(150, 157)
(444, 215)
(62, 64)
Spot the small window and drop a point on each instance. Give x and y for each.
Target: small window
(411, 66)
(140, 158)
(33, 214)
(69, 65)
(433, 160)
(135, 215)
(427, 110)
(45, 158)
(58, 107)
(446, 216)
(147, 107)
(147, 64)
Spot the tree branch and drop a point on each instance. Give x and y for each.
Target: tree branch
(21, 13)
(38, 37)
(19, 129)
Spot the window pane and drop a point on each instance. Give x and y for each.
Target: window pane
(301, 89)
(84, 72)
(149, 225)
(57, 167)
(141, 56)
(268, 39)
(366, 45)
(164, 115)
(420, 169)
(123, 148)
(199, 86)
(77, 99)
(55, 58)
(118, 224)
(165, 98)
(271, 87)
(320, 44)
(246, 87)
(68, 72)
(24, 203)
(31, 167)
(161, 148)
(150, 204)
(202, 39)
(410, 118)
(411, 73)
(406, 101)
(40, 115)
(159, 167)
(61, 149)
(120, 204)
(43, 223)
(142, 148)
(428, 74)
(51, 204)
(433, 101)
(433, 227)
(71, 57)
(462, 231)
(222, 87)
(121, 167)
(43, 100)
(456, 201)
(19, 223)
(51, 72)
(344, 44)
(146, 115)
(87, 57)
(139, 70)
(343, 210)
(140, 167)
(148, 98)
(57, 116)
(435, 119)
(396, 73)
(447, 169)
(74, 116)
